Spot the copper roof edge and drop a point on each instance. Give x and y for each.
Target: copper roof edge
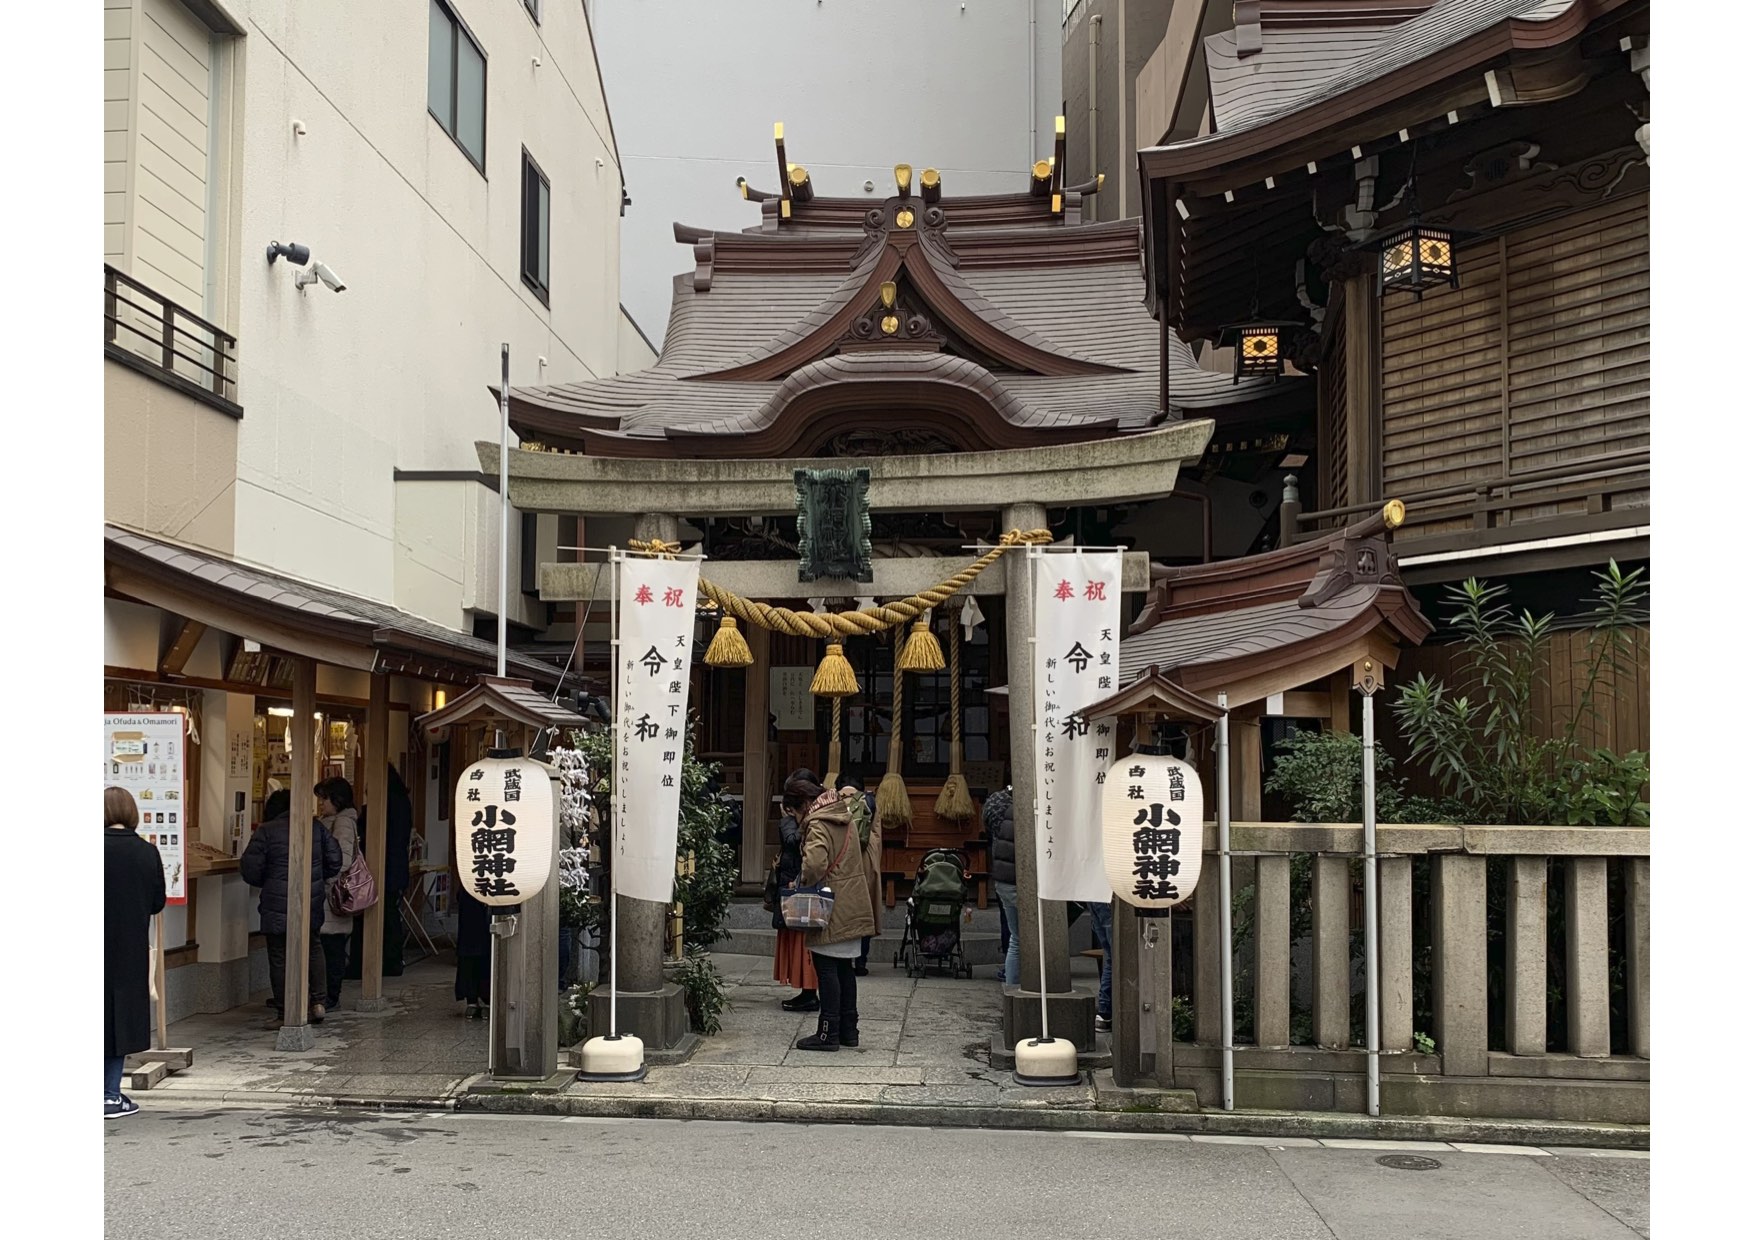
(1202, 155)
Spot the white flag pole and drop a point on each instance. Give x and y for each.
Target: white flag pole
(1040, 904)
(617, 793)
(504, 491)
(1227, 961)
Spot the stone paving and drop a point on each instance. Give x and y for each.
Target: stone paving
(921, 1040)
(421, 1048)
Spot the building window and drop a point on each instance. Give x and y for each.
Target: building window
(535, 228)
(456, 83)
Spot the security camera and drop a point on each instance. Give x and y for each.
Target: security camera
(294, 253)
(318, 271)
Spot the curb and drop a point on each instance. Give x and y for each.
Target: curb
(1040, 1117)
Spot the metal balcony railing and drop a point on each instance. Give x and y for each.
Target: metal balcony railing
(154, 335)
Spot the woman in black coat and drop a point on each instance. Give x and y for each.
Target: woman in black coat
(133, 891)
(266, 864)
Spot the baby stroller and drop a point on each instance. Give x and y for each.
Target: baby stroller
(934, 915)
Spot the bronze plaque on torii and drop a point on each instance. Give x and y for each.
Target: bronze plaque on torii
(833, 524)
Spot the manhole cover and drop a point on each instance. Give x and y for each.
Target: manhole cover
(1407, 1162)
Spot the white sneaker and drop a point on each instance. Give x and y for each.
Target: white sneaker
(1104, 1025)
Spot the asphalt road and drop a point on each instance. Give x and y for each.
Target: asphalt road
(218, 1174)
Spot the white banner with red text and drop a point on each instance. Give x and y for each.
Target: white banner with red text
(651, 699)
(1076, 663)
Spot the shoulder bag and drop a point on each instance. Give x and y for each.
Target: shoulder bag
(810, 907)
(353, 890)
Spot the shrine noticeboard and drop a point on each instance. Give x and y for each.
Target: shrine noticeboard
(144, 753)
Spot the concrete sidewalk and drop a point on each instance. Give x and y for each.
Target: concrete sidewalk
(924, 1059)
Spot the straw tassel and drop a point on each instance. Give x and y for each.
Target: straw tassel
(955, 803)
(834, 675)
(922, 653)
(894, 808)
(729, 648)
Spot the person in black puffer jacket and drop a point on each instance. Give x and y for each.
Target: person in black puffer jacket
(266, 864)
(792, 963)
(999, 819)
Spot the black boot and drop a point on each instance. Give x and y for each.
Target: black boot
(803, 1001)
(825, 1038)
(849, 1030)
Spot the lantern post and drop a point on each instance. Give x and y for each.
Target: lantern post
(1367, 684)
(507, 841)
(1153, 845)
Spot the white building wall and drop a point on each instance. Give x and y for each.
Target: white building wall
(340, 390)
(861, 87)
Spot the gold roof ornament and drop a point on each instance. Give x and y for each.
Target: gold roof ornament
(904, 179)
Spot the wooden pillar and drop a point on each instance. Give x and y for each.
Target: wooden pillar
(1159, 963)
(1637, 953)
(1339, 709)
(296, 1033)
(377, 800)
(1127, 1044)
(1458, 903)
(1395, 953)
(756, 707)
(1525, 957)
(1332, 952)
(1585, 952)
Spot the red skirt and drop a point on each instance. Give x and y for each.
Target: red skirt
(791, 960)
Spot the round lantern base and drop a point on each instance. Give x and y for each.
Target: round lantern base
(1046, 1063)
(617, 1058)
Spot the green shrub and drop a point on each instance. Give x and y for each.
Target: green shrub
(706, 893)
(1480, 739)
(703, 988)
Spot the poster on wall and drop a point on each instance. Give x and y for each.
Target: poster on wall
(1077, 662)
(144, 754)
(794, 710)
(652, 675)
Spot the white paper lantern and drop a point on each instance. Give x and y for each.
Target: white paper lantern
(1153, 830)
(504, 822)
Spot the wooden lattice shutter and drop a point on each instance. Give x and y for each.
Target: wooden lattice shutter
(1442, 384)
(1578, 293)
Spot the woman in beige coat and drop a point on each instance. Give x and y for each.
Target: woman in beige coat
(834, 855)
(336, 809)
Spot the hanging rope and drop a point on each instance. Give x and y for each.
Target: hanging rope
(850, 623)
(956, 802)
(832, 778)
(894, 808)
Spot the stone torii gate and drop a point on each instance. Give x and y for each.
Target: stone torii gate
(1132, 469)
